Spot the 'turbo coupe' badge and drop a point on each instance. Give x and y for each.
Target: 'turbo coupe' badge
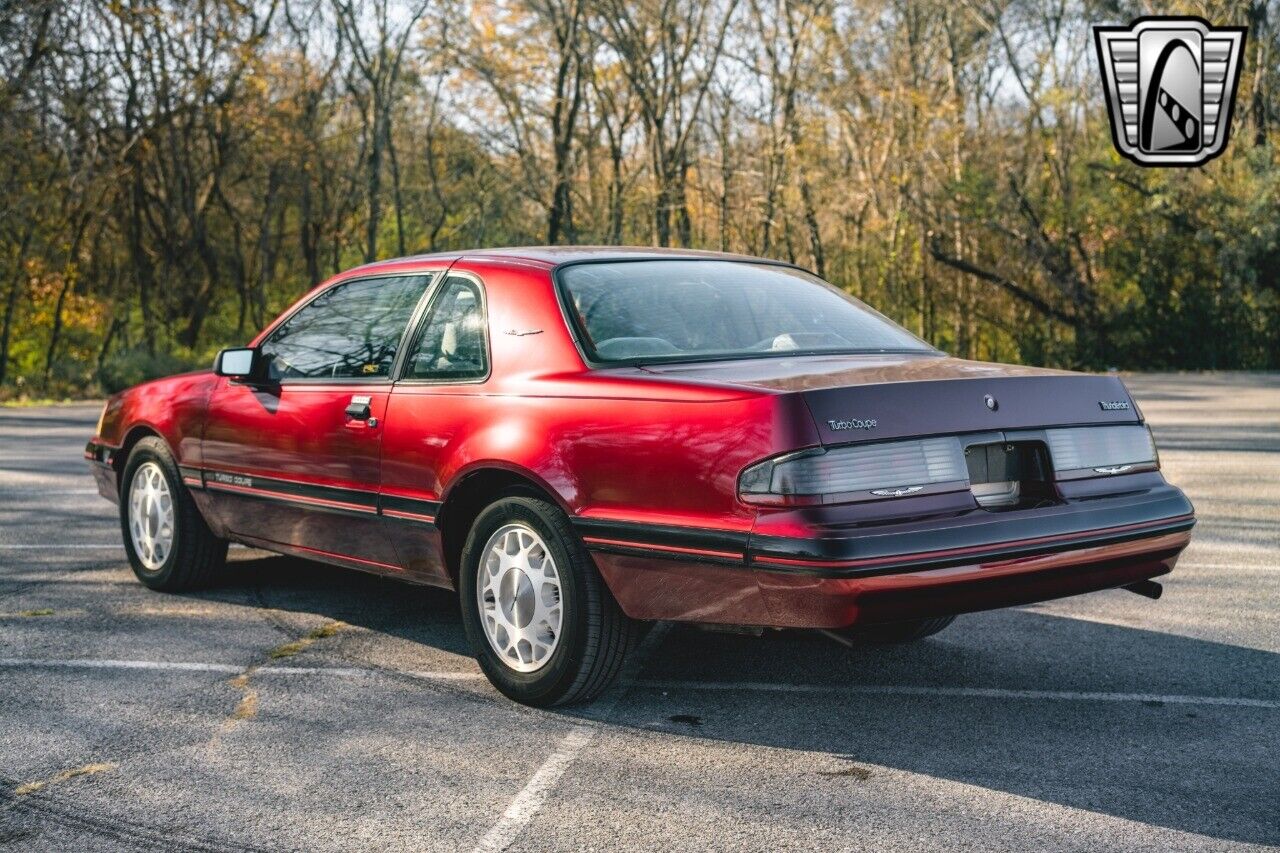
(1170, 86)
(852, 423)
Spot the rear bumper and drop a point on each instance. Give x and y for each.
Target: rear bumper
(808, 601)
(844, 574)
(845, 551)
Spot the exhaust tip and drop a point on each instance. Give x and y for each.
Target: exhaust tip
(1150, 589)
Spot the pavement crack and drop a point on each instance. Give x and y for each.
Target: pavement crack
(62, 776)
(288, 650)
(26, 614)
(247, 707)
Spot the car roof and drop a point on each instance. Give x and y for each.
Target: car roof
(553, 256)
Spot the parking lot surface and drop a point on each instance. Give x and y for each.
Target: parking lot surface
(297, 706)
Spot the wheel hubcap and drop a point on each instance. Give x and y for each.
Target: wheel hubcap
(518, 590)
(151, 516)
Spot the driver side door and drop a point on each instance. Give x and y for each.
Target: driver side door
(294, 458)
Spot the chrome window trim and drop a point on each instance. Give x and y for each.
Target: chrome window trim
(418, 326)
(433, 275)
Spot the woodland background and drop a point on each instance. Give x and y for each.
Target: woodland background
(174, 173)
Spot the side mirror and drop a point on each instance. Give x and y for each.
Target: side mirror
(236, 363)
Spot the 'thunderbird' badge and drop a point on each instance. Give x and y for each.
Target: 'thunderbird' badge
(1170, 86)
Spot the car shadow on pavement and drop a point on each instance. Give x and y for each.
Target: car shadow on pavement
(1150, 758)
(420, 614)
(1155, 760)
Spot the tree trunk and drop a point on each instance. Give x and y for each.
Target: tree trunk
(615, 193)
(10, 308)
(396, 197)
(374, 189)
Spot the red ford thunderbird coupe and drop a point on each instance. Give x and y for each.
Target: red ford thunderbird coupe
(580, 440)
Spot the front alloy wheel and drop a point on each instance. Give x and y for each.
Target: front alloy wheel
(543, 625)
(168, 542)
(151, 516)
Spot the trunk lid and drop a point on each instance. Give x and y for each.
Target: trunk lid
(879, 397)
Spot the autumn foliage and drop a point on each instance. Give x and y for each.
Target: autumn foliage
(176, 171)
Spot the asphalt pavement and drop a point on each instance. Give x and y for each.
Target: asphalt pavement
(298, 706)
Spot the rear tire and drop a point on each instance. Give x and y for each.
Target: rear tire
(909, 631)
(170, 546)
(543, 625)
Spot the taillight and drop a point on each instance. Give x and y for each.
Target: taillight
(859, 472)
(1090, 451)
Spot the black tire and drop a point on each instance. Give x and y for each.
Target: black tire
(903, 632)
(196, 556)
(595, 634)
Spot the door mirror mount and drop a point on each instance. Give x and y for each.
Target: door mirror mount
(240, 363)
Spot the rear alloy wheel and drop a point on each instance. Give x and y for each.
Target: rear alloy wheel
(543, 625)
(169, 544)
(518, 592)
(902, 632)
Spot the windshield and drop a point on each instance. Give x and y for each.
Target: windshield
(694, 310)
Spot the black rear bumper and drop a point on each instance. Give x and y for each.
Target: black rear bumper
(976, 536)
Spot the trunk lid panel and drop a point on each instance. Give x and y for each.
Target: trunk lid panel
(909, 395)
(900, 410)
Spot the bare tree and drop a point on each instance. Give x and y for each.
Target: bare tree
(377, 43)
(669, 50)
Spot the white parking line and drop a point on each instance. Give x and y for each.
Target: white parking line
(536, 791)
(54, 547)
(572, 743)
(967, 692)
(234, 669)
(85, 663)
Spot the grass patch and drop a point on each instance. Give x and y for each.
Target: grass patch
(247, 707)
(288, 650)
(862, 774)
(26, 614)
(87, 770)
(326, 630)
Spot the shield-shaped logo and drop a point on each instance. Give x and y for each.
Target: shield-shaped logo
(1171, 84)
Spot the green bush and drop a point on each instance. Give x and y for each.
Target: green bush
(126, 368)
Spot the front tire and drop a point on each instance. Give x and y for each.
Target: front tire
(543, 625)
(170, 546)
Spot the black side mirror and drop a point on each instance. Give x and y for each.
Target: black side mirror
(237, 363)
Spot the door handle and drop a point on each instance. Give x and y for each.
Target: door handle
(358, 408)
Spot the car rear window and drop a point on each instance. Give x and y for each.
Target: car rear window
(699, 310)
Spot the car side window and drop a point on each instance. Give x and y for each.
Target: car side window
(351, 331)
(452, 343)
